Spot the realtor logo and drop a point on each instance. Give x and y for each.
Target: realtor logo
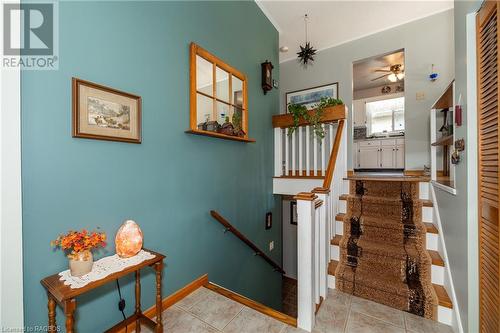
(30, 35)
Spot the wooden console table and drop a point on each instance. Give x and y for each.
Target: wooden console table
(58, 292)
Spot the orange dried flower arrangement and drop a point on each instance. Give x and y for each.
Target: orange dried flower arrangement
(75, 243)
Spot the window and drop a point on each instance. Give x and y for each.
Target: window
(386, 116)
(218, 97)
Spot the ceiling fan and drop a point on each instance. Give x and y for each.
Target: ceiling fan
(394, 73)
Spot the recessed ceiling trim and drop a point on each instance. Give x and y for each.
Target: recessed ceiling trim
(373, 33)
(269, 16)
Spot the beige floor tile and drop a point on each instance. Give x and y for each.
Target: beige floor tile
(338, 297)
(250, 321)
(291, 329)
(421, 325)
(333, 314)
(379, 311)
(216, 310)
(360, 323)
(185, 323)
(193, 298)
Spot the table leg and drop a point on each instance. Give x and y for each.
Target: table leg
(159, 324)
(138, 300)
(69, 310)
(52, 313)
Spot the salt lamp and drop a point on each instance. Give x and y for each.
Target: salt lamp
(128, 240)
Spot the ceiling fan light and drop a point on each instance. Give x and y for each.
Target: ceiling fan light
(392, 77)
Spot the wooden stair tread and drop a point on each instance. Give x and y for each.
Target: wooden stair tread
(336, 240)
(332, 266)
(427, 203)
(443, 298)
(436, 258)
(431, 228)
(340, 217)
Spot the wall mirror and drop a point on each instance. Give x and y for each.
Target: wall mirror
(218, 105)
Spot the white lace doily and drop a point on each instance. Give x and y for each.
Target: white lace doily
(104, 267)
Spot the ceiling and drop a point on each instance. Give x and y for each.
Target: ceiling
(335, 22)
(364, 70)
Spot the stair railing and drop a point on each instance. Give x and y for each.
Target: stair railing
(315, 226)
(229, 227)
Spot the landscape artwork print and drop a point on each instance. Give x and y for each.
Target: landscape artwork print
(105, 113)
(311, 97)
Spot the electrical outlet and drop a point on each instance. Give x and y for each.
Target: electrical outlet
(271, 245)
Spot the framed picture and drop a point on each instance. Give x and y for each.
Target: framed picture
(105, 113)
(310, 97)
(293, 212)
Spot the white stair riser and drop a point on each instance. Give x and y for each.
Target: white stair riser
(343, 206)
(432, 241)
(331, 281)
(423, 190)
(339, 228)
(334, 252)
(427, 214)
(445, 315)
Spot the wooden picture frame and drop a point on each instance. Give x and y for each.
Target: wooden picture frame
(104, 113)
(310, 97)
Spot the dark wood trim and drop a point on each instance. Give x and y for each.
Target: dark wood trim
(252, 304)
(306, 196)
(75, 106)
(318, 306)
(237, 233)
(321, 190)
(330, 114)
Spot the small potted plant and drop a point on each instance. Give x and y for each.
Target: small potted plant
(78, 246)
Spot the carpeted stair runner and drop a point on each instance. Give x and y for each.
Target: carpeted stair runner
(383, 254)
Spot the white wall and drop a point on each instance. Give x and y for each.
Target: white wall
(426, 41)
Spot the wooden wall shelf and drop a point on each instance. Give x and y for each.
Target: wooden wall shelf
(220, 135)
(444, 141)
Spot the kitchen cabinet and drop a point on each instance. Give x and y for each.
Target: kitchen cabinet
(379, 154)
(359, 113)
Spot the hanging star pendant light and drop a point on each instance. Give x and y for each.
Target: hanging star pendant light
(307, 52)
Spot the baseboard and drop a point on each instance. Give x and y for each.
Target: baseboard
(172, 299)
(252, 304)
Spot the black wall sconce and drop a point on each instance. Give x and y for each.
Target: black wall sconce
(267, 76)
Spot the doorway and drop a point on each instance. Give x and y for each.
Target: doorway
(379, 113)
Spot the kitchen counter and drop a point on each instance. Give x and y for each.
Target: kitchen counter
(382, 138)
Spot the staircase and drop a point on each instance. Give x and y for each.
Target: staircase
(391, 253)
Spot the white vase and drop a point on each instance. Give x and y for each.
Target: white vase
(81, 263)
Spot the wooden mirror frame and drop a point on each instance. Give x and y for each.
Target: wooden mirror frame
(196, 50)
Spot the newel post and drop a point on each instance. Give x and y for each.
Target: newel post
(306, 305)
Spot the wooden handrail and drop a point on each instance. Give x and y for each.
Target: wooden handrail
(330, 114)
(333, 157)
(229, 227)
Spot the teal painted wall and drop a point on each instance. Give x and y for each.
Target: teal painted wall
(168, 183)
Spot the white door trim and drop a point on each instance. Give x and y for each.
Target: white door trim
(11, 242)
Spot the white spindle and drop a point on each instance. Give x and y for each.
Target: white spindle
(323, 153)
(278, 152)
(324, 244)
(300, 151)
(287, 152)
(315, 154)
(308, 151)
(317, 250)
(331, 137)
(294, 160)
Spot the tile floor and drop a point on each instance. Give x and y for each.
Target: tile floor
(205, 311)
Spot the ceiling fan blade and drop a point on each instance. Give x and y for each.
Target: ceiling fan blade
(382, 70)
(378, 78)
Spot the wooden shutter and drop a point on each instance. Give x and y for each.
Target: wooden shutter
(487, 71)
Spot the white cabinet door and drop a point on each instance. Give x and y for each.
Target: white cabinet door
(359, 114)
(355, 155)
(388, 157)
(368, 157)
(400, 156)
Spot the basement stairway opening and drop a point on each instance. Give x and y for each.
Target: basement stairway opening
(383, 254)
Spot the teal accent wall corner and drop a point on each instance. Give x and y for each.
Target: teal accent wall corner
(171, 181)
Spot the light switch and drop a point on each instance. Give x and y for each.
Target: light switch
(420, 96)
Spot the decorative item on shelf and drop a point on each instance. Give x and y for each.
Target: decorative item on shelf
(458, 111)
(105, 113)
(307, 52)
(78, 246)
(427, 170)
(267, 76)
(455, 157)
(460, 145)
(447, 128)
(433, 75)
(386, 89)
(227, 128)
(128, 240)
(212, 126)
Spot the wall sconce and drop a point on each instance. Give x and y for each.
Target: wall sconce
(267, 76)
